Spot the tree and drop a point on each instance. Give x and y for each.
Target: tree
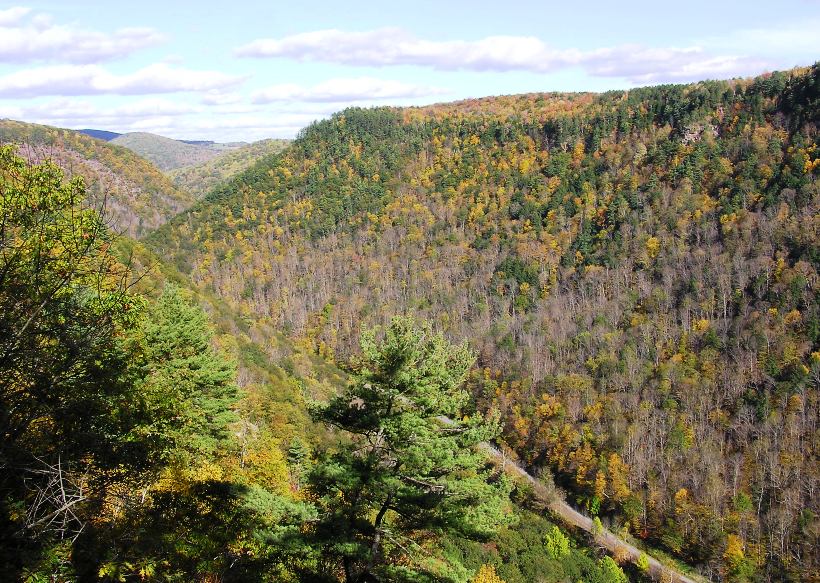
(611, 572)
(643, 563)
(298, 457)
(404, 473)
(68, 403)
(557, 543)
(190, 386)
(486, 574)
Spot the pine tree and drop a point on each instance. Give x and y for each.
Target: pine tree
(404, 471)
(191, 386)
(298, 455)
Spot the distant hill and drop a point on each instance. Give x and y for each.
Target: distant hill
(104, 135)
(168, 154)
(201, 178)
(138, 197)
(199, 142)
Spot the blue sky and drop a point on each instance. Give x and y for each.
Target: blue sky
(240, 70)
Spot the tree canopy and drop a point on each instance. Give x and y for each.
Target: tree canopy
(407, 473)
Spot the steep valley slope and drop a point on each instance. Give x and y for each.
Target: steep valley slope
(168, 153)
(137, 197)
(639, 271)
(203, 177)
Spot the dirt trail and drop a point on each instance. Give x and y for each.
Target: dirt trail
(606, 538)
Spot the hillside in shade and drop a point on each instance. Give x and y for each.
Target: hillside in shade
(137, 197)
(637, 270)
(104, 135)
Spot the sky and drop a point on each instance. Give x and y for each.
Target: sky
(246, 70)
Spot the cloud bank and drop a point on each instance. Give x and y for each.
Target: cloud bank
(394, 47)
(27, 38)
(72, 80)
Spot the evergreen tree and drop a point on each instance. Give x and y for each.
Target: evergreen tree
(406, 471)
(191, 386)
(298, 456)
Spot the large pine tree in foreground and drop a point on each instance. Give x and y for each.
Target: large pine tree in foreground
(405, 475)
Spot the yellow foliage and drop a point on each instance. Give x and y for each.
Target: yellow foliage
(578, 151)
(728, 222)
(264, 463)
(734, 553)
(618, 471)
(793, 317)
(600, 484)
(551, 406)
(795, 404)
(486, 574)
(701, 325)
(594, 411)
(637, 320)
(681, 497)
(653, 247)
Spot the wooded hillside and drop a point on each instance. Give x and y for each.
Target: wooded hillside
(137, 197)
(637, 270)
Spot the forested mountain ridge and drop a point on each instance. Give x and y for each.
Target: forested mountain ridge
(638, 270)
(168, 153)
(203, 177)
(137, 196)
(133, 448)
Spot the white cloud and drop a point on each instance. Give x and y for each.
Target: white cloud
(72, 112)
(12, 112)
(391, 46)
(650, 65)
(13, 15)
(223, 127)
(168, 117)
(345, 91)
(70, 80)
(25, 39)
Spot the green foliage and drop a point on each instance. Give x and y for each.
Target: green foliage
(166, 153)
(637, 269)
(643, 563)
(143, 198)
(190, 387)
(406, 473)
(69, 409)
(597, 527)
(518, 554)
(557, 543)
(611, 572)
(298, 461)
(200, 179)
(115, 447)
